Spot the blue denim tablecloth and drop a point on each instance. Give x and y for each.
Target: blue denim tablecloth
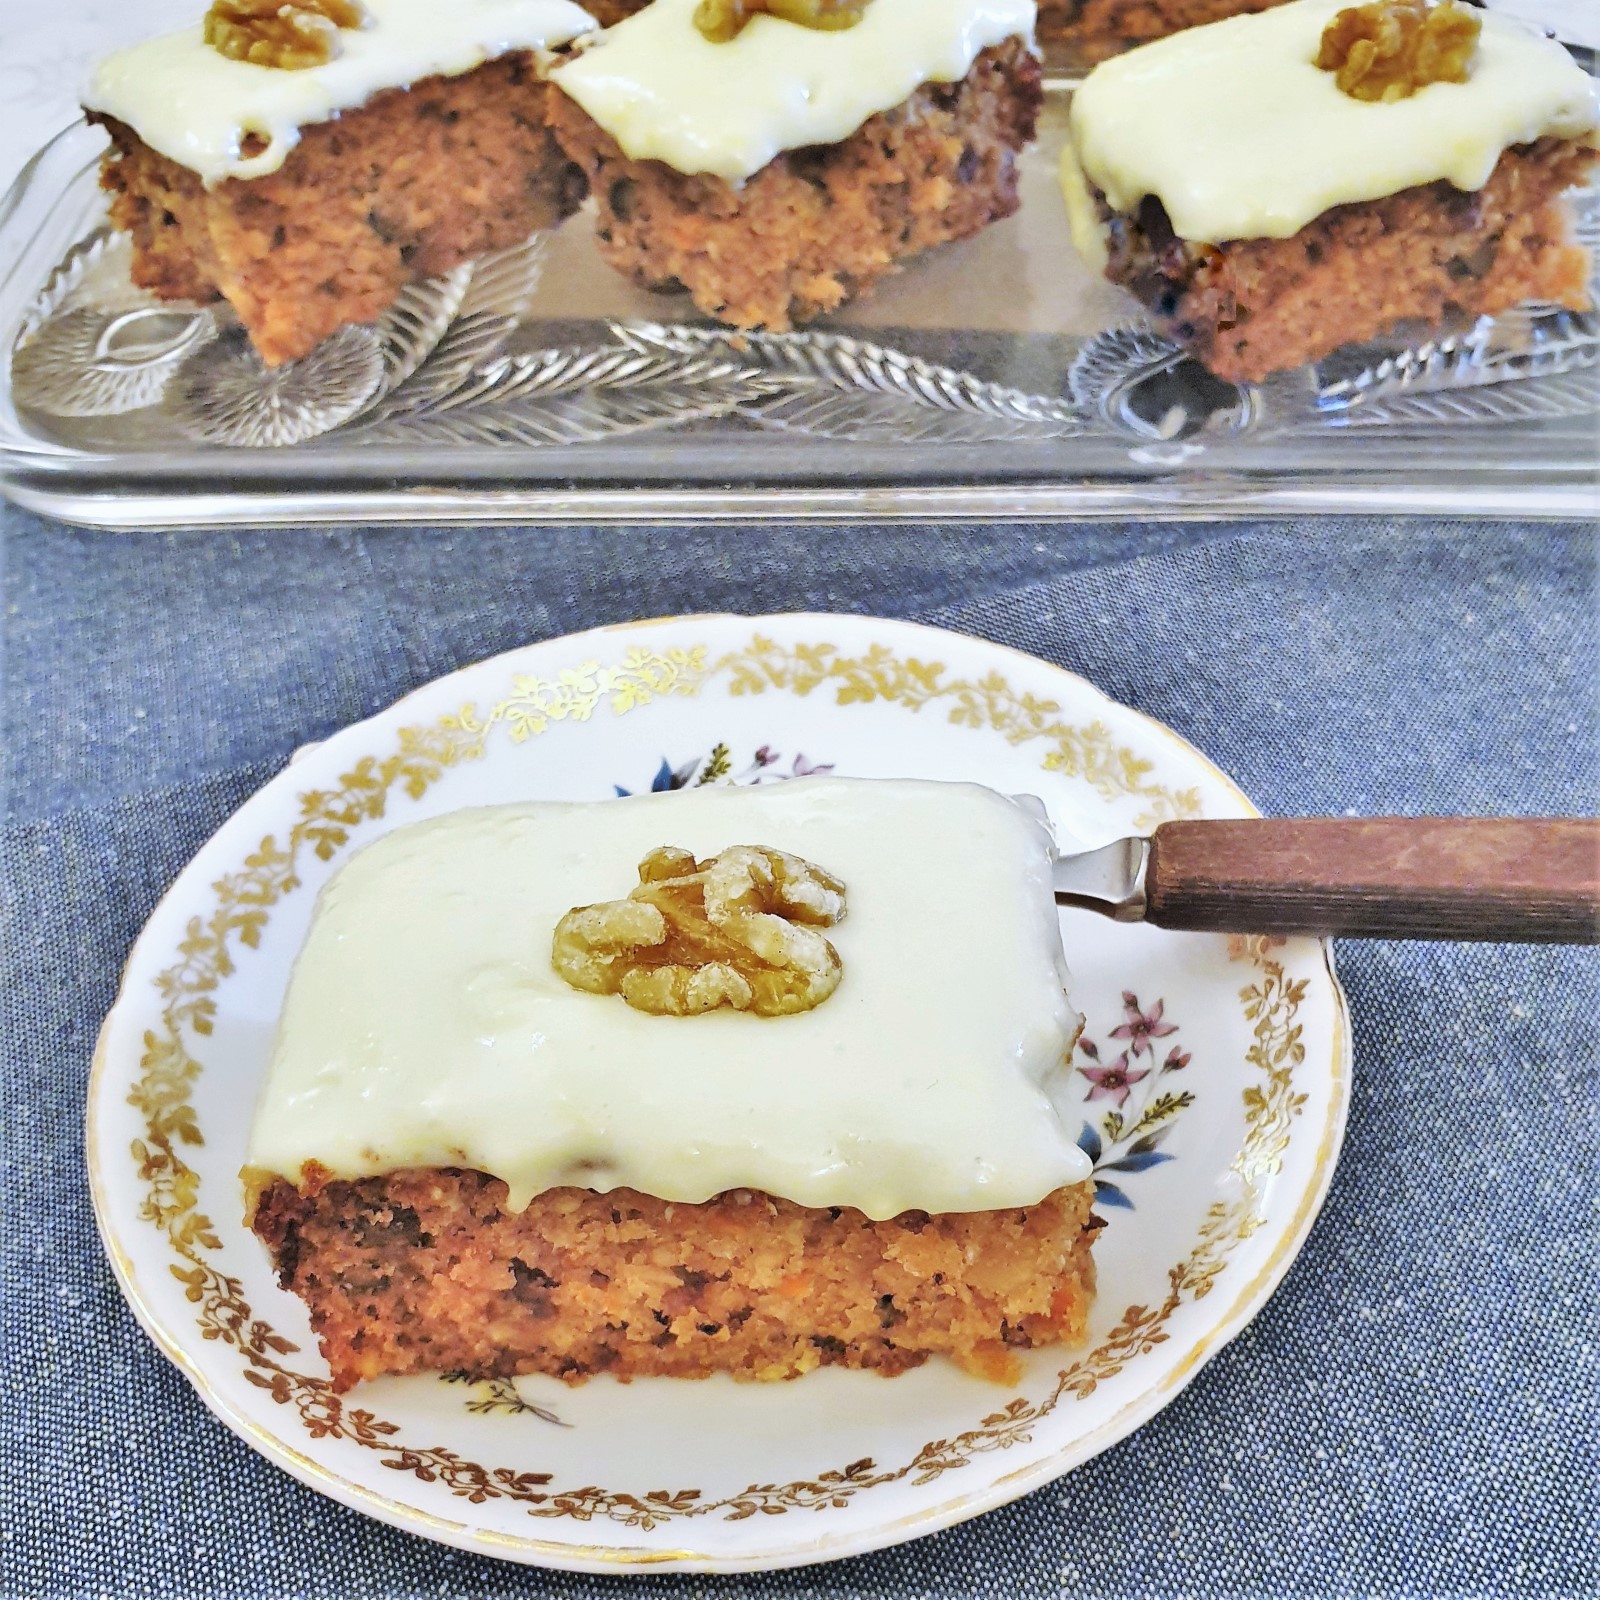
(1413, 1413)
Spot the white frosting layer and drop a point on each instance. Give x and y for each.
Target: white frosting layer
(425, 1025)
(1241, 137)
(1083, 216)
(665, 93)
(195, 105)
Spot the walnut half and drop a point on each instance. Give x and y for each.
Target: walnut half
(1389, 50)
(722, 20)
(291, 34)
(737, 930)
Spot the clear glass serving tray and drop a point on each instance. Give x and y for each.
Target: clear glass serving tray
(994, 378)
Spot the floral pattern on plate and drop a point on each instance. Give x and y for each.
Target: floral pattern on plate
(1127, 1139)
(764, 766)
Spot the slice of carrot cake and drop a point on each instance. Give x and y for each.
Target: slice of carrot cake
(549, 1095)
(1276, 186)
(305, 162)
(777, 168)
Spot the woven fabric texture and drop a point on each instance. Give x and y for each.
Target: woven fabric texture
(1414, 1411)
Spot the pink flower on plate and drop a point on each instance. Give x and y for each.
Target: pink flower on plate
(1141, 1026)
(808, 769)
(1113, 1082)
(1176, 1060)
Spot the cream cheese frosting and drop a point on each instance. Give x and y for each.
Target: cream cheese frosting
(1240, 136)
(424, 1024)
(1083, 216)
(196, 106)
(665, 93)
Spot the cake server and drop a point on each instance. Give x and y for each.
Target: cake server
(1525, 879)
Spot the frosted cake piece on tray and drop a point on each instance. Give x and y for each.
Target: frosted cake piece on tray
(304, 162)
(1273, 187)
(751, 1080)
(776, 170)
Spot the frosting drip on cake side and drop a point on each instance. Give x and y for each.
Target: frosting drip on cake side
(425, 1024)
(1240, 136)
(665, 93)
(197, 107)
(1083, 216)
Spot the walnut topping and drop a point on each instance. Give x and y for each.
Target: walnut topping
(291, 34)
(1389, 50)
(737, 930)
(722, 20)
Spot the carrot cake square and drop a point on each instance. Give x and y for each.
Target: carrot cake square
(304, 162)
(1273, 187)
(776, 170)
(597, 1088)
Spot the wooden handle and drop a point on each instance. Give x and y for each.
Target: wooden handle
(1534, 879)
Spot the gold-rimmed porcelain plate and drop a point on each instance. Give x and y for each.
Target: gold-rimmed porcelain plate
(1214, 1075)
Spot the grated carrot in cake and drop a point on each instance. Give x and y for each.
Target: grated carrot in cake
(780, 171)
(428, 1271)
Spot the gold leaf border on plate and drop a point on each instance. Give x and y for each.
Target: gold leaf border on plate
(245, 898)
